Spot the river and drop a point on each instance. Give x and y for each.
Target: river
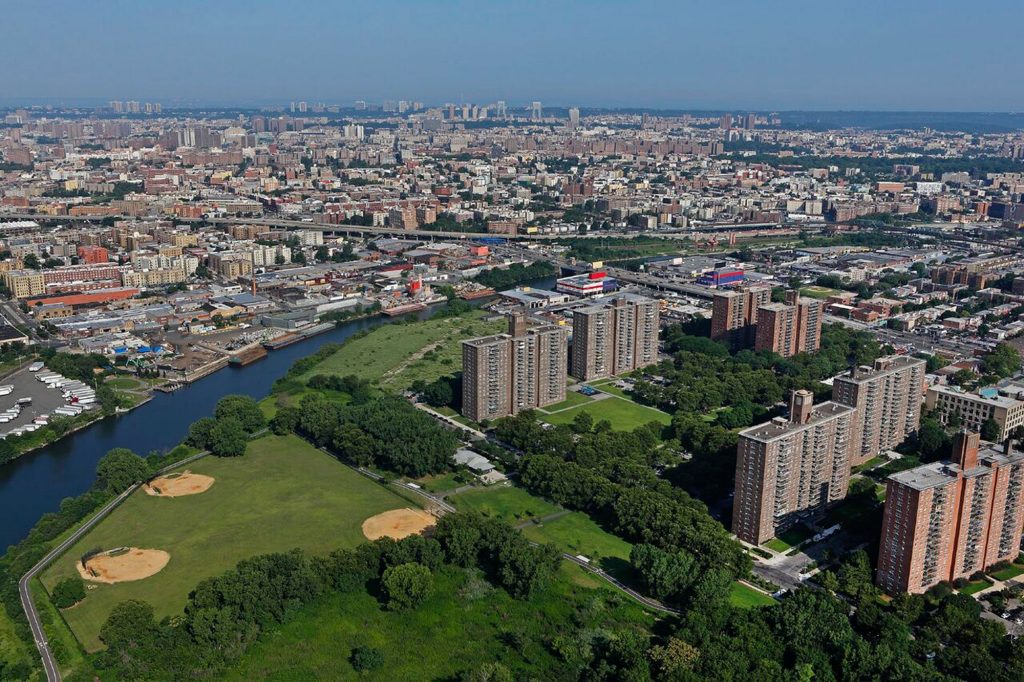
(35, 483)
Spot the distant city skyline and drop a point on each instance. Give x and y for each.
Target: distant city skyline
(871, 56)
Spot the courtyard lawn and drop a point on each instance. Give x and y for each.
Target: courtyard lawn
(746, 597)
(397, 354)
(608, 386)
(572, 399)
(624, 415)
(790, 538)
(282, 494)
(464, 623)
(503, 502)
(1008, 573)
(975, 586)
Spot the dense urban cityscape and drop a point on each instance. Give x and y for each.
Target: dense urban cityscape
(343, 377)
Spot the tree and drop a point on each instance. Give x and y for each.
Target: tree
(674, 656)
(199, 432)
(228, 438)
(990, 430)
(406, 585)
(353, 444)
(121, 468)
(1002, 362)
(243, 408)
(285, 421)
(68, 592)
(31, 260)
(366, 658)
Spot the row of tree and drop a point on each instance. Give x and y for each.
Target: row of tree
(227, 433)
(385, 432)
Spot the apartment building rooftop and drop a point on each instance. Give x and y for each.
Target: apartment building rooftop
(781, 427)
(937, 474)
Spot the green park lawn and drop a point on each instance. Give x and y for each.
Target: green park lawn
(282, 494)
(503, 502)
(744, 597)
(464, 623)
(572, 399)
(608, 386)
(624, 415)
(578, 534)
(390, 349)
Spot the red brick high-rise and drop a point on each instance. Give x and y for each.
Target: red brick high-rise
(947, 520)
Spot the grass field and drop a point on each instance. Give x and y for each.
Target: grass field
(624, 415)
(282, 494)
(12, 649)
(1008, 573)
(503, 502)
(975, 586)
(817, 292)
(572, 399)
(464, 623)
(790, 538)
(400, 350)
(744, 597)
(576, 533)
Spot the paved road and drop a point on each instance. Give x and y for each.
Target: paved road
(24, 585)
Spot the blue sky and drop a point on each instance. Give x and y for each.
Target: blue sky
(743, 54)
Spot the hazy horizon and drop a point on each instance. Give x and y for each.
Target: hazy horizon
(872, 56)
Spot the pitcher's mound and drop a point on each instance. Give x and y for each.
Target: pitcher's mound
(176, 485)
(124, 564)
(397, 524)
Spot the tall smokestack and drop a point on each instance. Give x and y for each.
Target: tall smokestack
(965, 449)
(800, 404)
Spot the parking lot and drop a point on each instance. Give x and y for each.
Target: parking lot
(44, 399)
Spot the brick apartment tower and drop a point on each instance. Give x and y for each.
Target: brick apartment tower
(947, 520)
(791, 327)
(788, 468)
(734, 314)
(888, 399)
(614, 337)
(504, 374)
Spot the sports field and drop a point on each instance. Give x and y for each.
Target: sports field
(624, 414)
(282, 494)
(398, 354)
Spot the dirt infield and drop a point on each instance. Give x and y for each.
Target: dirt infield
(118, 566)
(397, 524)
(176, 485)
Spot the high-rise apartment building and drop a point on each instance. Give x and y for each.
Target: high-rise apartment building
(974, 409)
(536, 111)
(790, 328)
(734, 314)
(505, 374)
(787, 469)
(614, 337)
(574, 118)
(888, 399)
(947, 520)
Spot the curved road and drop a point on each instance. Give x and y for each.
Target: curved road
(24, 585)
